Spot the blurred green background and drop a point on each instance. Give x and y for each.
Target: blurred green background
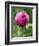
(16, 30)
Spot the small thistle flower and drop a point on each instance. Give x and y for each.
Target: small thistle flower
(21, 18)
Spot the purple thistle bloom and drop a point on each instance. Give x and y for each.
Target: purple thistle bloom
(21, 18)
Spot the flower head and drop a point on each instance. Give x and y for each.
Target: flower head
(21, 18)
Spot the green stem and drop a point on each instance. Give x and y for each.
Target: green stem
(23, 29)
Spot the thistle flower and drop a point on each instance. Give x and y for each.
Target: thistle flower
(21, 18)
